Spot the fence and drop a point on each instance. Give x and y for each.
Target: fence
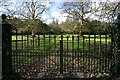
(29, 57)
(55, 54)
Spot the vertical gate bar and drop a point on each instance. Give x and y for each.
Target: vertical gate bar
(30, 49)
(94, 53)
(38, 41)
(110, 56)
(80, 49)
(33, 49)
(16, 51)
(55, 50)
(86, 60)
(22, 52)
(40, 48)
(100, 54)
(52, 54)
(38, 45)
(109, 48)
(27, 49)
(49, 54)
(97, 53)
(25, 56)
(103, 70)
(19, 47)
(86, 53)
(64, 52)
(67, 52)
(61, 55)
(28, 46)
(58, 60)
(75, 62)
(111, 51)
(106, 53)
(12, 53)
(50, 45)
(72, 51)
(41, 51)
(78, 53)
(83, 51)
(44, 52)
(38, 51)
(89, 52)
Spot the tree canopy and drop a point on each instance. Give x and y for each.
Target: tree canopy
(26, 16)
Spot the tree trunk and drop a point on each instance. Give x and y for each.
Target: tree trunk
(81, 28)
(33, 34)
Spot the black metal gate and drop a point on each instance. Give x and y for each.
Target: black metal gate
(53, 55)
(58, 56)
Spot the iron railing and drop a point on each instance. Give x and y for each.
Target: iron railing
(57, 54)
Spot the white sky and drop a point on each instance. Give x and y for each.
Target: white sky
(60, 17)
(56, 12)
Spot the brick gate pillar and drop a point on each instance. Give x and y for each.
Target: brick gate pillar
(6, 49)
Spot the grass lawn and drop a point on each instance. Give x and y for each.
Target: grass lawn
(53, 41)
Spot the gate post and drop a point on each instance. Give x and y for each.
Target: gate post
(61, 56)
(6, 49)
(118, 46)
(115, 65)
(118, 26)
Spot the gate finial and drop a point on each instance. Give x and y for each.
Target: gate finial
(3, 16)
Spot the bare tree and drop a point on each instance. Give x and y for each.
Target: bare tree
(77, 10)
(30, 11)
(105, 10)
(82, 10)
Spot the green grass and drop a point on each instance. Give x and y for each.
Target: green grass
(46, 44)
